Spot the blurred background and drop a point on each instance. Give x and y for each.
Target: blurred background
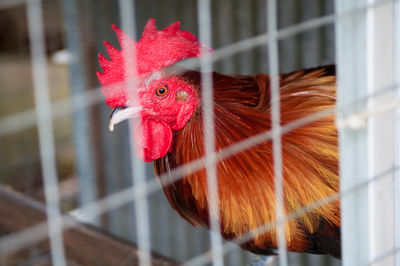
(93, 162)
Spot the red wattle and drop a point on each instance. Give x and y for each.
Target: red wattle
(152, 139)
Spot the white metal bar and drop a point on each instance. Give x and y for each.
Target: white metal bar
(128, 21)
(396, 175)
(204, 18)
(273, 61)
(46, 138)
(367, 216)
(85, 164)
(351, 85)
(380, 131)
(370, 32)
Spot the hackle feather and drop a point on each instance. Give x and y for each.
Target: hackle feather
(245, 180)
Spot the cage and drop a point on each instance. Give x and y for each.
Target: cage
(73, 193)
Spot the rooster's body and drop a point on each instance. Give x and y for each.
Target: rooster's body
(245, 180)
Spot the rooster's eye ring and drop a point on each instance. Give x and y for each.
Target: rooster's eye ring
(162, 91)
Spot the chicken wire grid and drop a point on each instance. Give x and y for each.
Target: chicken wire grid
(87, 171)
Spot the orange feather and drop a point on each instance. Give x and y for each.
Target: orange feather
(246, 180)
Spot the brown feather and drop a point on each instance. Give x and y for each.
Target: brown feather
(246, 181)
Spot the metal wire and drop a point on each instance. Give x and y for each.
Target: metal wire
(204, 13)
(370, 80)
(396, 175)
(380, 151)
(85, 165)
(128, 20)
(273, 60)
(46, 138)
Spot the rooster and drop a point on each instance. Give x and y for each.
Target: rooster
(168, 106)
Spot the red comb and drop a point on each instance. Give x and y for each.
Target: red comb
(155, 50)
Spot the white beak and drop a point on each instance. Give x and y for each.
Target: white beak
(120, 114)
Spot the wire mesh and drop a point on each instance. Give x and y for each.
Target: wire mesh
(140, 190)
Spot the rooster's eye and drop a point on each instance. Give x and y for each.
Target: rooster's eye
(162, 91)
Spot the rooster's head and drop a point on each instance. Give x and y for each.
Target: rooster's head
(136, 84)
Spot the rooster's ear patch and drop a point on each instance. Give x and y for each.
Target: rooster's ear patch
(181, 96)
